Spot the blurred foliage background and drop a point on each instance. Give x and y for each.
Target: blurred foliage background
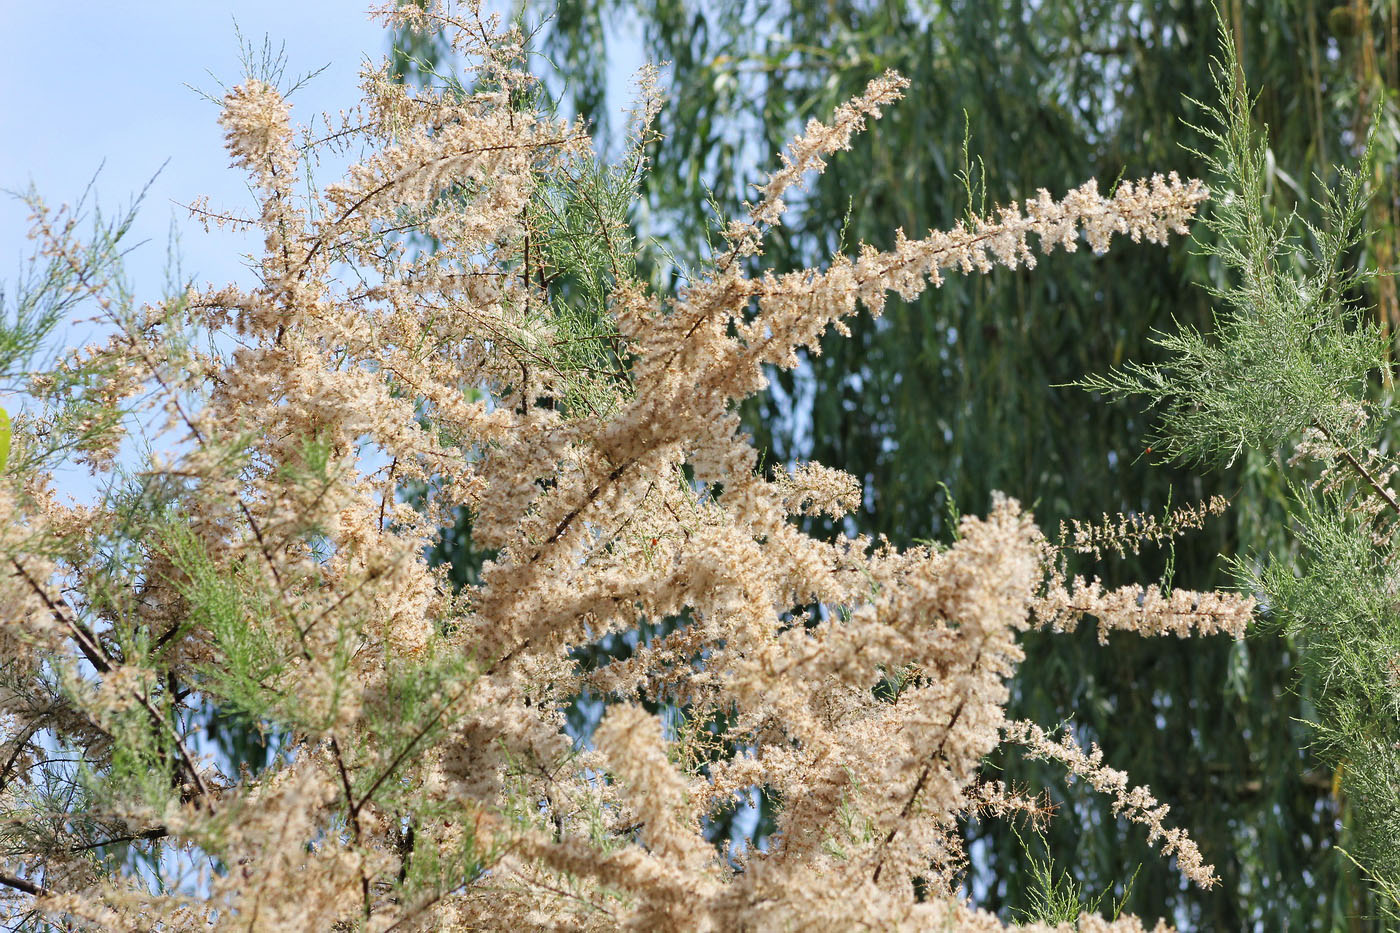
(963, 392)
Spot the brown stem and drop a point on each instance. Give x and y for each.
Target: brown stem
(408, 749)
(1359, 468)
(20, 746)
(19, 884)
(391, 182)
(88, 644)
(155, 832)
(933, 756)
(97, 656)
(568, 520)
(345, 783)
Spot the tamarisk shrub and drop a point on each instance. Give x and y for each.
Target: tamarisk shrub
(1299, 367)
(416, 773)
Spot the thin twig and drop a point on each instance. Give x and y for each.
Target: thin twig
(155, 832)
(19, 884)
(97, 656)
(1359, 468)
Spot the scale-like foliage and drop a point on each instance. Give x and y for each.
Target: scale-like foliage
(1288, 366)
(262, 568)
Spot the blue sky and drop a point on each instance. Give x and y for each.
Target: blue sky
(91, 82)
(87, 84)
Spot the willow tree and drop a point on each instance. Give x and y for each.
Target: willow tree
(951, 397)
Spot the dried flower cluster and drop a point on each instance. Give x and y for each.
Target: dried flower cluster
(1126, 534)
(1137, 805)
(418, 774)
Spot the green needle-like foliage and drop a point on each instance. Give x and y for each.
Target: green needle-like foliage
(1291, 365)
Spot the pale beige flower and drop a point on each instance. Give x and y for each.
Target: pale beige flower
(425, 778)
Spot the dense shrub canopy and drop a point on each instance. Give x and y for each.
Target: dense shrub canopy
(263, 567)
